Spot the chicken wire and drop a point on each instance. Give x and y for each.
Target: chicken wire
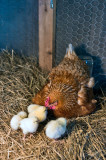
(83, 23)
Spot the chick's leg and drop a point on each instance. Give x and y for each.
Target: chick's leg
(31, 135)
(24, 137)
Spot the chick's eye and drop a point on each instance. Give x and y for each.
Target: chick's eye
(35, 121)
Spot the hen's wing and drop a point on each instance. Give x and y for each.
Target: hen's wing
(74, 66)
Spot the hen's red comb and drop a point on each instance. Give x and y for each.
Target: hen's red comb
(47, 102)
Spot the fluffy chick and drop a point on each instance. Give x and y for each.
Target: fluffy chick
(40, 113)
(29, 125)
(15, 121)
(56, 128)
(32, 107)
(22, 114)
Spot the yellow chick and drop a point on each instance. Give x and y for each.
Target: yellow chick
(40, 113)
(29, 125)
(56, 128)
(14, 123)
(32, 107)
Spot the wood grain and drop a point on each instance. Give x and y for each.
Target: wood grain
(46, 35)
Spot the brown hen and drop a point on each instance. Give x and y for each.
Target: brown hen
(70, 86)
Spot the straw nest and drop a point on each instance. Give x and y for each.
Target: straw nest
(20, 79)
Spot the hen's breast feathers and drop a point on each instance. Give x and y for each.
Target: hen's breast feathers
(64, 90)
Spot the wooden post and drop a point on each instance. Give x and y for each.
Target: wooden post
(46, 34)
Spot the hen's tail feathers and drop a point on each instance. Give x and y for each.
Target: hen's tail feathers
(91, 82)
(70, 52)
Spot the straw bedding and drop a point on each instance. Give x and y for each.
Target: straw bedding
(20, 80)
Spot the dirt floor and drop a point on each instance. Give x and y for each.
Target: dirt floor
(20, 80)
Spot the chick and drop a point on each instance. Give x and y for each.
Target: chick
(40, 113)
(29, 125)
(14, 123)
(56, 128)
(32, 107)
(22, 114)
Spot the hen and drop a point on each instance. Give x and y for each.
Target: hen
(70, 88)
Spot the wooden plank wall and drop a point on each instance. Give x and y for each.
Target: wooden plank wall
(46, 34)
